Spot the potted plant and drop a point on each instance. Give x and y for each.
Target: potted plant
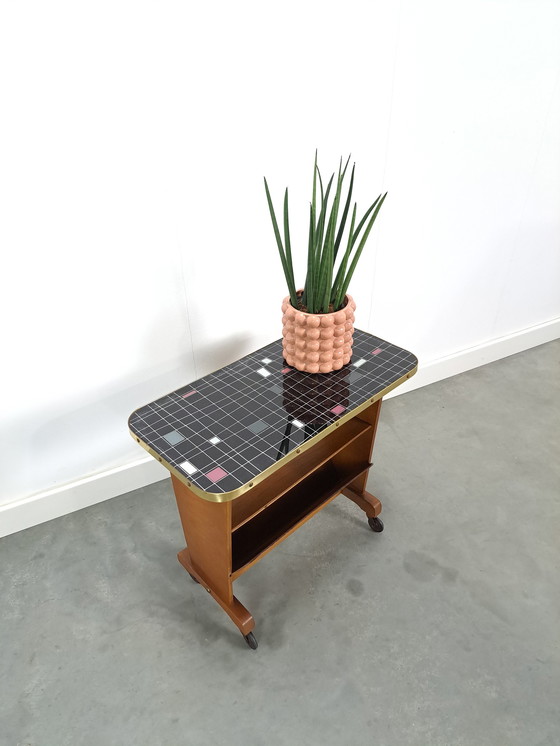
(318, 321)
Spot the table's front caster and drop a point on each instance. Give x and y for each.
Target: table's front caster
(376, 524)
(251, 641)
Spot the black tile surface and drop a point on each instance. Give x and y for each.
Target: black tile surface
(290, 408)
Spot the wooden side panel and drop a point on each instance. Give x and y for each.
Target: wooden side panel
(371, 416)
(207, 529)
(355, 457)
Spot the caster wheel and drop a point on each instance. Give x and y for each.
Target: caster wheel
(251, 641)
(376, 524)
(193, 577)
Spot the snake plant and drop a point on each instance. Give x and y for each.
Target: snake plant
(322, 293)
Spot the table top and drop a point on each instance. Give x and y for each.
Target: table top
(240, 423)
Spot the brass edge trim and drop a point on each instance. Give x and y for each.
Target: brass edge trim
(224, 497)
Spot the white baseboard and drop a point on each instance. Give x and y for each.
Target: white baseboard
(44, 506)
(30, 511)
(430, 371)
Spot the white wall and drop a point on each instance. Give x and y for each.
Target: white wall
(137, 252)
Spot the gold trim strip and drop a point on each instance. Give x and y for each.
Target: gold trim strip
(224, 497)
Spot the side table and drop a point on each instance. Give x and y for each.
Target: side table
(257, 448)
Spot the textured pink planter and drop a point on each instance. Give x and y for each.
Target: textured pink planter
(318, 342)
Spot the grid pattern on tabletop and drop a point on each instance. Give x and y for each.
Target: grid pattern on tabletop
(223, 430)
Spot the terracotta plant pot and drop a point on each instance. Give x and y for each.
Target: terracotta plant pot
(318, 342)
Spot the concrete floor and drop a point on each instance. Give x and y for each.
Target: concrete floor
(445, 629)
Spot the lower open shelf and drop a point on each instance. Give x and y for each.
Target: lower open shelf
(276, 522)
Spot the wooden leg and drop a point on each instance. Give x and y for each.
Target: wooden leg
(356, 490)
(371, 416)
(207, 529)
(239, 615)
(367, 502)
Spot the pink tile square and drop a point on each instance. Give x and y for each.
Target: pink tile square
(286, 370)
(339, 409)
(189, 393)
(376, 351)
(216, 474)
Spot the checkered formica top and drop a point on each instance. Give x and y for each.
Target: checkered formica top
(225, 429)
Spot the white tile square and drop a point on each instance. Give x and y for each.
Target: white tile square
(359, 362)
(266, 361)
(188, 467)
(215, 440)
(297, 423)
(264, 372)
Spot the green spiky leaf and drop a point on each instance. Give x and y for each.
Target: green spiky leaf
(325, 236)
(358, 253)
